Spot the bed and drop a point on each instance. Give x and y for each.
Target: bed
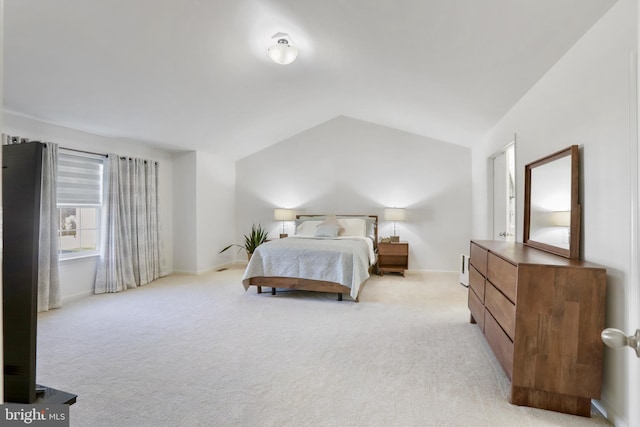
(328, 253)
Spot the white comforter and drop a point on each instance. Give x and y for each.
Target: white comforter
(343, 260)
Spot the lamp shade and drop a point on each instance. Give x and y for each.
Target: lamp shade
(283, 52)
(284, 214)
(394, 214)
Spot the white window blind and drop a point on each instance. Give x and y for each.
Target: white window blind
(79, 179)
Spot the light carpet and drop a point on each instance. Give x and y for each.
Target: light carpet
(200, 351)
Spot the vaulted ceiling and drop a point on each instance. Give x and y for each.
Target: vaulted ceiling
(194, 74)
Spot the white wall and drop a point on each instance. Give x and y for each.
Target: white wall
(77, 277)
(348, 166)
(204, 192)
(584, 99)
(184, 219)
(215, 207)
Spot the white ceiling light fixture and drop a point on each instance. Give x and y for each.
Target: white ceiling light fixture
(283, 52)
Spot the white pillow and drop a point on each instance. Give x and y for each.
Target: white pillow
(327, 231)
(332, 220)
(307, 228)
(353, 226)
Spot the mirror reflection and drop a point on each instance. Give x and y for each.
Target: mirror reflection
(551, 207)
(551, 203)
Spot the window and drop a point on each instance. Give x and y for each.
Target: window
(79, 198)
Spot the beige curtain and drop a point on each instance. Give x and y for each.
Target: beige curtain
(132, 253)
(49, 295)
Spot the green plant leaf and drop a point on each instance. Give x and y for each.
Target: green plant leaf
(252, 240)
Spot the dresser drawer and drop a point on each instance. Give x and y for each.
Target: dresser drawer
(393, 249)
(476, 308)
(503, 310)
(503, 275)
(478, 258)
(476, 282)
(500, 343)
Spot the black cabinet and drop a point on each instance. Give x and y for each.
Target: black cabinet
(21, 172)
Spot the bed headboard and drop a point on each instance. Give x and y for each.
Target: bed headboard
(372, 222)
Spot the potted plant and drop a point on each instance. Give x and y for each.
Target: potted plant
(252, 240)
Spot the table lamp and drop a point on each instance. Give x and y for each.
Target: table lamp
(284, 215)
(395, 215)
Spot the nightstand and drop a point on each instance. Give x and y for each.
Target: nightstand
(393, 257)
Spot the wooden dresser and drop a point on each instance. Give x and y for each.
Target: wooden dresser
(542, 316)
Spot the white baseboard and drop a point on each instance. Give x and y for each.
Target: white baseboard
(76, 296)
(189, 273)
(610, 415)
(210, 269)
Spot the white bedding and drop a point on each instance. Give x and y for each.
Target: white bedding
(367, 240)
(343, 260)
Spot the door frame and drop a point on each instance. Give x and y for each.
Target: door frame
(490, 187)
(633, 307)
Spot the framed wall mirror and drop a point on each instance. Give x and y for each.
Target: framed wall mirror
(551, 207)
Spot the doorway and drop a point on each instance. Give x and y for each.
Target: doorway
(503, 193)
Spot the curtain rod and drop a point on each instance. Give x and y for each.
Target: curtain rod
(85, 152)
(155, 162)
(71, 149)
